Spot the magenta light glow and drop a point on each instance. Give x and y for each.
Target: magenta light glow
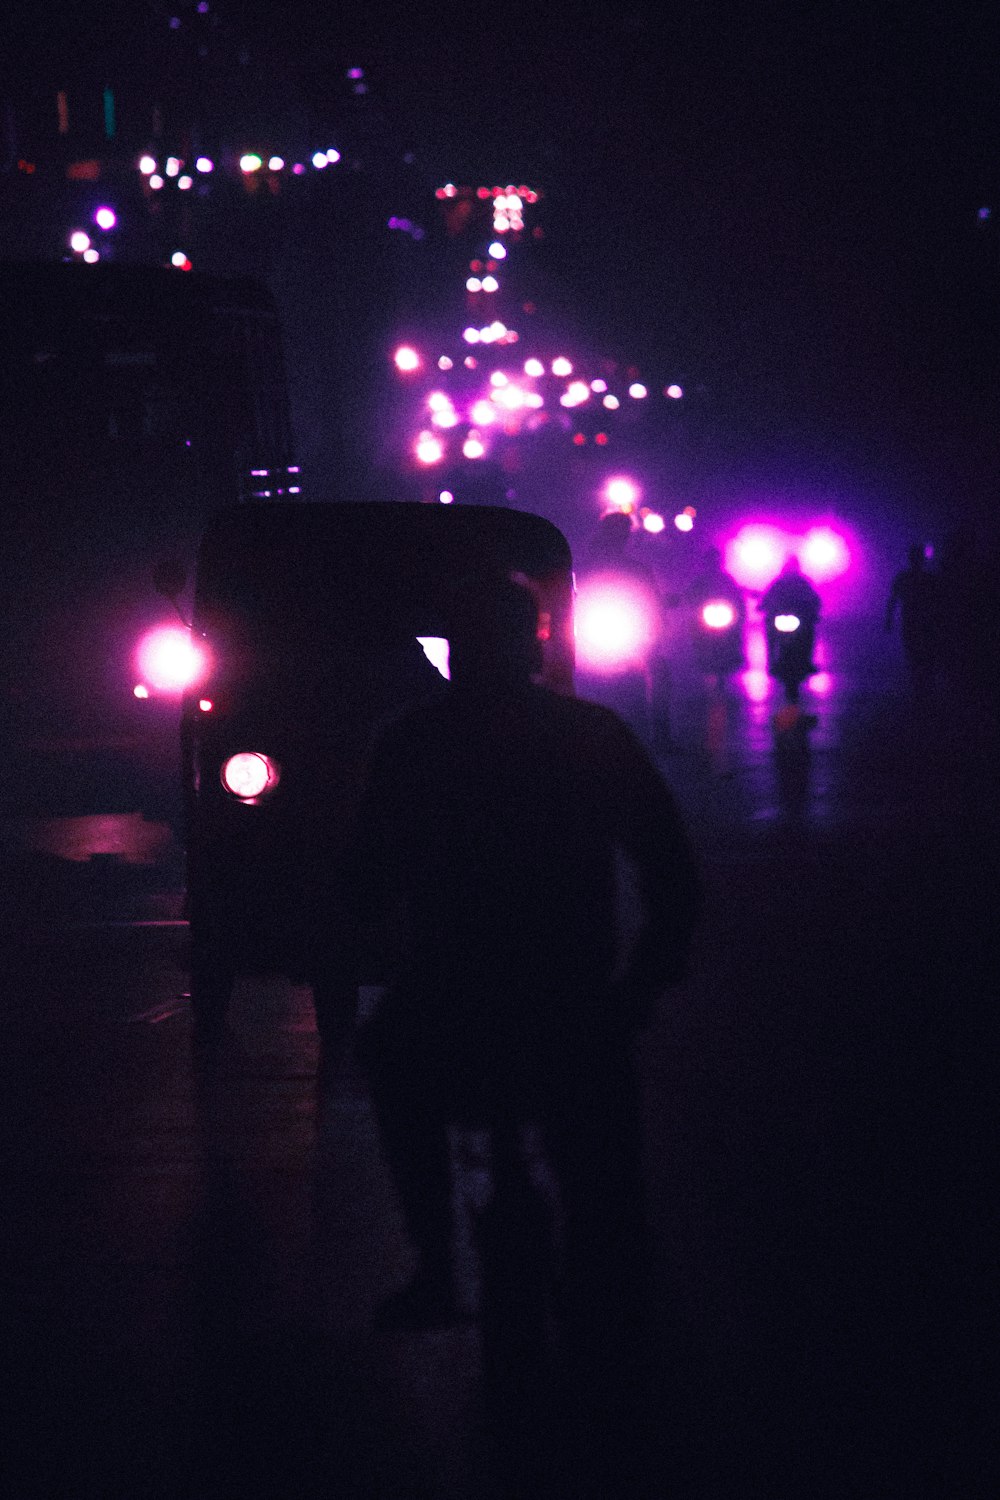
(621, 492)
(718, 614)
(759, 550)
(170, 660)
(105, 218)
(248, 774)
(407, 359)
(615, 626)
(824, 554)
(755, 555)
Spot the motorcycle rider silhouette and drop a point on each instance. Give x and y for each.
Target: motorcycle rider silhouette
(791, 608)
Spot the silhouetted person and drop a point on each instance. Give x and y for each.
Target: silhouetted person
(717, 652)
(915, 596)
(791, 593)
(495, 817)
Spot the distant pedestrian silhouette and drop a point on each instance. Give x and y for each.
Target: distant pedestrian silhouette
(496, 817)
(915, 595)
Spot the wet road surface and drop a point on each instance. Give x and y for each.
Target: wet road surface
(191, 1258)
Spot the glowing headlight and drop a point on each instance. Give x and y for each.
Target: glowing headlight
(718, 614)
(787, 623)
(615, 626)
(170, 659)
(249, 774)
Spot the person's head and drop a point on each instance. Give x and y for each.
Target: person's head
(493, 631)
(792, 568)
(613, 532)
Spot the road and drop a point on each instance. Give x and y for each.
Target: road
(192, 1257)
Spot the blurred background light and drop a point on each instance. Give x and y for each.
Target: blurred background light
(621, 492)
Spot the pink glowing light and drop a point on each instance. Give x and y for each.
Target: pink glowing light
(756, 684)
(429, 449)
(824, 554)
(621, 492)
(755, 555)
(406, 359)
(684, 522)
(170, 660)
(718, 614)
(105, 218)
(651, 521)
(615, 625)
(249, 774)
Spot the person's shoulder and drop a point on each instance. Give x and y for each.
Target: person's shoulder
(592, 722)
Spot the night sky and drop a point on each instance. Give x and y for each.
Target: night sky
(781, 201)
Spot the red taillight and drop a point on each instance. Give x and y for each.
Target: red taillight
(249, 774)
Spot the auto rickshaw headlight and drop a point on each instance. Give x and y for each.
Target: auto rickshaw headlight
(249, 774)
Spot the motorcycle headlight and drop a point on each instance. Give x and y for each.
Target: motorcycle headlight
(718, 614)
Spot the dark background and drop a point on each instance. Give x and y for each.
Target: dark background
(784, 204)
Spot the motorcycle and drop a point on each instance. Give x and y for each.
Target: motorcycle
(790, 642)
(718, 638)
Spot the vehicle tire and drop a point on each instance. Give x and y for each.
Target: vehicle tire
(213, 974)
